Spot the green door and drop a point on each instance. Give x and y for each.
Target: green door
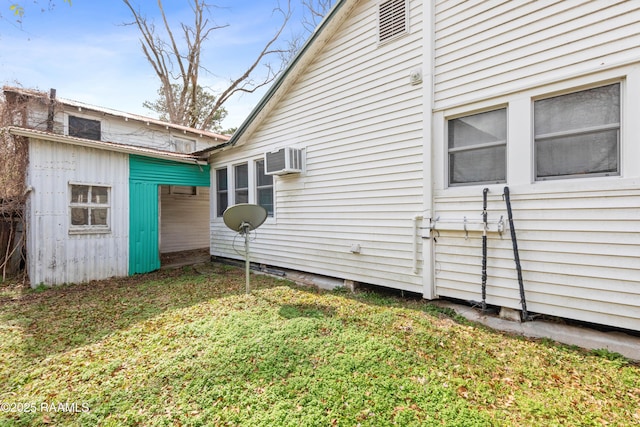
(145, 175)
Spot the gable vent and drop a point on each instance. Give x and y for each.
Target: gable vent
(392, 19)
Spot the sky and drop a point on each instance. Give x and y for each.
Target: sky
(86, 53)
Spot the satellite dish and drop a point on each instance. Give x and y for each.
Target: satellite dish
(242, 218)
(238, 217)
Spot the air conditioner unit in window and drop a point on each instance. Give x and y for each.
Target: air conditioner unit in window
(283, 161)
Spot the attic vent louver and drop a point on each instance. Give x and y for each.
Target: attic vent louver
(392, 19)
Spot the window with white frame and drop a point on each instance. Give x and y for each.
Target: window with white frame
(578, 134)
(264, 188)
(477, 148)
(222, 191)
(241, 183)
(89, 208)
(81, 127)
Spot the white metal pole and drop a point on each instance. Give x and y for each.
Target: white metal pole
(246, 263)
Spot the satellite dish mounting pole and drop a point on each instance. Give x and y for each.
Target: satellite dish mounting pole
(245, 229)
(242, 218)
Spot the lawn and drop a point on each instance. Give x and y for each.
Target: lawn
(189, 348)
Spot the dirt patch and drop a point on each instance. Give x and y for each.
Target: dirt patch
(182, 258)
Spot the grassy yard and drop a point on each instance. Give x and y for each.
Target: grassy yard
(184, 348)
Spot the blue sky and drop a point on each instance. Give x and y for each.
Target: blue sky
(86, 54)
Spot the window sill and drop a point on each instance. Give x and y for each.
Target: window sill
(90, 231)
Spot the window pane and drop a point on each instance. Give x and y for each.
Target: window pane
(99, 216)
(100, 195)
(79, 216)
(221, 179)
(262, 179)
(223, 202)
(478, 129)
(84, 128)
(242, 184)
(265, 199)
(580, 154)
(588, 108)
(79, 194)
(242, 176)
(481, 165)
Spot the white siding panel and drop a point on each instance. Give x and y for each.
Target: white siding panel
(507, 46)
(54, 255)
(184, 220)
(579, 251)
(359, 120)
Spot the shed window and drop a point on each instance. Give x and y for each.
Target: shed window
(478, 148)
(241, 181)
(392, 19)
(89, 208)
(84, 128)
(222, 191)
(183, 190)
(578, 134)
(264, 188)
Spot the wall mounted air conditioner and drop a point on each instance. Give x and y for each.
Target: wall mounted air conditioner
(283, 161)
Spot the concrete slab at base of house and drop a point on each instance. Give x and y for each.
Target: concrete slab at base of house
(617, 342)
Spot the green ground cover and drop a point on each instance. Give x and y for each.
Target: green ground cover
(184, 348)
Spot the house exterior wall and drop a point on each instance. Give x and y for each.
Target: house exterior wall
(117, 129)
(56, 256)
(184, 220)
(578, 238)
(359, 120)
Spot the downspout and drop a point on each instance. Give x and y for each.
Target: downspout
(428, 61)
(416, 230)
(51, 112)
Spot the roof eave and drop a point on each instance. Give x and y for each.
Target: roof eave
(101, 145)
(278, 82)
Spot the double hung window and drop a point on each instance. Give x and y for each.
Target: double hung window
(477, 146)
(578, 134)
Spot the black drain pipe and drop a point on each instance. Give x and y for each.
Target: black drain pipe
(484, 249)
(516, 255)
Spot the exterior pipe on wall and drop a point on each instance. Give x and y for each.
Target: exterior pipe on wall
(415, 242)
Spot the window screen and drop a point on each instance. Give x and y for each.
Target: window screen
(578, 134)
(84, 128)
(477, 148)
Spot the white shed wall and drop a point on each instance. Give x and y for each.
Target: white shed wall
(579, 238)
(359, 121)
(54, 255)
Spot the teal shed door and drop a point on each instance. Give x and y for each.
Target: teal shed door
(145, 175)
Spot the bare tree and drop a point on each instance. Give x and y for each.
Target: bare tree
(181, 65)
(314, 12)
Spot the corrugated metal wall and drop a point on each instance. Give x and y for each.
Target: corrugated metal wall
(54, 255)
(146, 174)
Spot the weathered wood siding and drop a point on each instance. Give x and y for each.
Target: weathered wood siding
(184, 220)
(54, 255)
(118, 130)
(359, 120)
(579, 239)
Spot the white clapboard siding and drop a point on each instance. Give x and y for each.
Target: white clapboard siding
(579, 251)
(184, 220)
(485, 49)
(54, 255)
(359, 120)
